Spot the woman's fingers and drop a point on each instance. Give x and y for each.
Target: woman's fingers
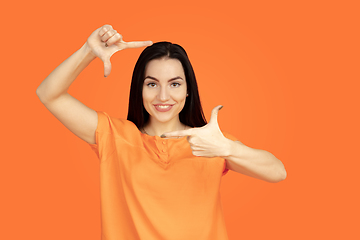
(106, 41)
(138, 44)
(104, 29)
(108, 35)
(114, 39)
(180, 133)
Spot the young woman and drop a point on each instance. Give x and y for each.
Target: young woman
(160, 170)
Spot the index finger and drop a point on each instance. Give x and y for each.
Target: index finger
(180, 133)
(138, 44)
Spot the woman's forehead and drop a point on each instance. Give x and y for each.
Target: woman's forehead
(164, 68)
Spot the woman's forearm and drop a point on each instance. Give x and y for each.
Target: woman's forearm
(59, 80)
(255, 163)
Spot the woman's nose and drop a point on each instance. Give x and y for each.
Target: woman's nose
(164, 94)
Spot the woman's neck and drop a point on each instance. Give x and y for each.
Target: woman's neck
(155, 128)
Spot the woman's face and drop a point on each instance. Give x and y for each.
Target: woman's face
(164, 90)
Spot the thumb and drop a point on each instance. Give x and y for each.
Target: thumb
(106, 59)
(107, 67)
(214, 114)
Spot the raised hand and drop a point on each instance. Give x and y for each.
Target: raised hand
(105, 41)
(206, 141)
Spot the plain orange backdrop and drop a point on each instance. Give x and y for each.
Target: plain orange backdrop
(286, 72)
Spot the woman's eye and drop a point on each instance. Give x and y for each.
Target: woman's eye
(151, 84)
(175, 84)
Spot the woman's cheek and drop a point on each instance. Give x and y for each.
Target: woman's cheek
(180, 94)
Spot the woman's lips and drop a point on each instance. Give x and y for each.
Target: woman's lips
(163, 107)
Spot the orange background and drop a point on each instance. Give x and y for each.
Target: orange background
(287, 73)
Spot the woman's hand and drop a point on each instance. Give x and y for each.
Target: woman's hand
(105, 41)
(206, 141)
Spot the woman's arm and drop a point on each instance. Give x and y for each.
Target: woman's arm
(252, 162)
(52, 92)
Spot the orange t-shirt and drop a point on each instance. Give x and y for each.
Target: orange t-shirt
(155, 189)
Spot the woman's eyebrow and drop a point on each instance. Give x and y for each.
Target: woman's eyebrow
(171, 79)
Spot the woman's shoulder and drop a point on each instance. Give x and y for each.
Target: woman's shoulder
(110, 123)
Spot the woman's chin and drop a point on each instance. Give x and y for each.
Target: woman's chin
(164, 119)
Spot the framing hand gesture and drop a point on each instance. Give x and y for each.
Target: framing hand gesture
(206, 141)
(105, 41)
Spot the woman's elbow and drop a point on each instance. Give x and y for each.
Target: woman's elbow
(39, 93)
(280, 176)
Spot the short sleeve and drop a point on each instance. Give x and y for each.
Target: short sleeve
(110, 131)
(101, 127)
(231, 137)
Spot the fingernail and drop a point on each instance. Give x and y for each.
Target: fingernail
(221, 107)
(105, 76)
(162, 136)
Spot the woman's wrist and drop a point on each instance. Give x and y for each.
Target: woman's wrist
(235, 149)
(88, 52)
(228, 148)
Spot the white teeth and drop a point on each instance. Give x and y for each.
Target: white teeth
(163, 106)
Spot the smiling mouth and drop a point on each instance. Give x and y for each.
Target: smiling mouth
(163, 108)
